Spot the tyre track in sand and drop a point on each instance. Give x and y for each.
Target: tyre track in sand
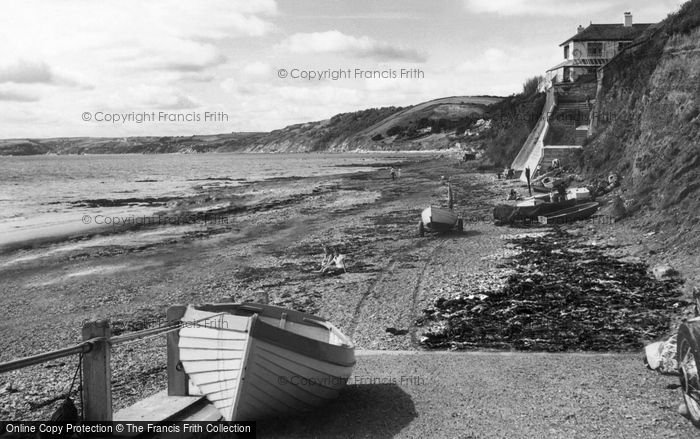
(389, 300)
(416, 291)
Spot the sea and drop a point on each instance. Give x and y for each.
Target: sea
(37, 190)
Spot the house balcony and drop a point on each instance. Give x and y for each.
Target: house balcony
(575, 70)
(588, 61)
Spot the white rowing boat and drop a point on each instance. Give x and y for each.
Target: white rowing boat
(256, 361)
(439, 219)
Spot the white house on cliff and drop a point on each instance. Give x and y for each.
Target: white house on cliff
(592, 47)
(571, 86)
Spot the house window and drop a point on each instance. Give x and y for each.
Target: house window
(595, 50)
(566, 52)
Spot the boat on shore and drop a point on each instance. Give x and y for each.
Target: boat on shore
(565, 216)
(255, 361)
(527, 214)
(439, 220)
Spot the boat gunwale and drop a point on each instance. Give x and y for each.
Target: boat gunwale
(578, 208)
(341, 355)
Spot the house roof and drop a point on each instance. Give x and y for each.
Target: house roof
(609, 32)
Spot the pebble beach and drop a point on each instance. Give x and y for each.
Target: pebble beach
(269, 249)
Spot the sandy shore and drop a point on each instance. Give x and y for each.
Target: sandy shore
(260, 242)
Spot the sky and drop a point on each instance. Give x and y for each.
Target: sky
(73, 68)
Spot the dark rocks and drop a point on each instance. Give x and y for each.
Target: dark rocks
(617, 208)
(664, 272)
(577, 297)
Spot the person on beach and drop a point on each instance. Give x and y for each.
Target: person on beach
(332, 258)
(327, 257)
(393, 173)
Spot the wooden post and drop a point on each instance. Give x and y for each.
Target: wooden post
(97, 374)
(178, 383)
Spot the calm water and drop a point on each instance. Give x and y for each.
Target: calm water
(32, 185)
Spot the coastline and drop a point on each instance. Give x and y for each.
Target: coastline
(270, 249)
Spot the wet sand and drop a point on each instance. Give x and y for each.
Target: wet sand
(263, 242)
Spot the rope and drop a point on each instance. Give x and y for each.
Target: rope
(75, 375)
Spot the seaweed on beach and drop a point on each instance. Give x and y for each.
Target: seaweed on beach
(564, 295)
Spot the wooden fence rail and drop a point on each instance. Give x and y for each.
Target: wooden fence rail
(97, 374)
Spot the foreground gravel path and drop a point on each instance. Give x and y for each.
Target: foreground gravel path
(496, 395)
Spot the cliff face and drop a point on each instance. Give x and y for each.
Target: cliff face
(648, 126)
(514, 123)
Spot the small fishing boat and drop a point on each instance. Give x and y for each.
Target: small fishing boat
(540, 188)
(565, 216)
(439, 220)
(508, 213)
(550, 182)
(255, 361)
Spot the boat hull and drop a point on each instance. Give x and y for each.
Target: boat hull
(508, 213)
(264, 362)
(439, 219)
(580, 212)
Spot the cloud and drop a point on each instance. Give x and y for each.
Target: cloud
(129, 35)
(25, 72)
(159, 98)
(37, 73)
(491, 60)
(536, 7)
(249, 79)
(337, 42)
(257, 71)
(9, 94)
(141, 97)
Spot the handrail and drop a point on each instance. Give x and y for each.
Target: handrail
(81, 348)
(21, 363)
(86, 346)
(119, 339)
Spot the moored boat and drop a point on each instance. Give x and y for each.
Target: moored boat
(579, 212)
(508, 213)
(255, 361)
(439, 220)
